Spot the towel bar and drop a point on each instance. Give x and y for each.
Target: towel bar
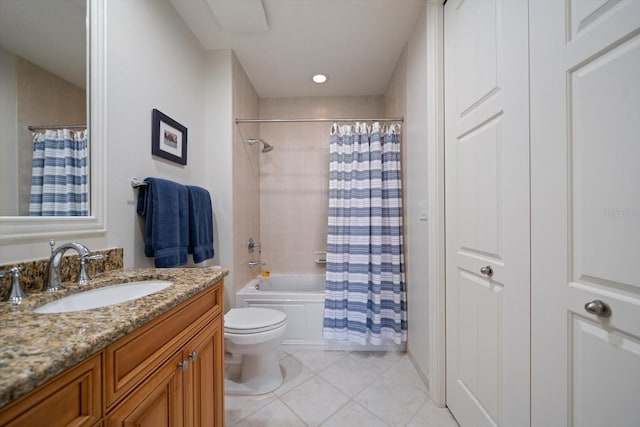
(135, 183)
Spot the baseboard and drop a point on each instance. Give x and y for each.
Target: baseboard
(423, 377)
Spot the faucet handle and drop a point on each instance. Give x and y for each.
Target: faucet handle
(16, 294)
(52, 244)
(83, 276)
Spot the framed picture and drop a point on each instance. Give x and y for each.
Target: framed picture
(168, 138)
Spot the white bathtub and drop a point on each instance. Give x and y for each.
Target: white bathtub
(301, 297)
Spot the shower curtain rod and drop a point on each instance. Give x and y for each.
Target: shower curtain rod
(45, 127)
(389, 119)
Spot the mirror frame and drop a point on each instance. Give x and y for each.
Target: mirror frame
(24, 228)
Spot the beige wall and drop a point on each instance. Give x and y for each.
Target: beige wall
(294, 177)
(245, 176)
(395, 97)
(141, 35)
(406, 95)
(42, 99)
(8, 138)
(416, 191)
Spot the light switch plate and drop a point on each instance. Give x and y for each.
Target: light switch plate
(422, 210)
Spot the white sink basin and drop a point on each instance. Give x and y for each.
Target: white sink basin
(103, 297)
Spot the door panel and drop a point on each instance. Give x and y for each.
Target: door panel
(594, 381)
(585, 13)
(477, 53)
(487, 212)
(605, 174)
(479, 335)
(585, 154)
(479, 190)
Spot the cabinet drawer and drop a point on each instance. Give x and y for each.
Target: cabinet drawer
(72, 398)
(131, 359)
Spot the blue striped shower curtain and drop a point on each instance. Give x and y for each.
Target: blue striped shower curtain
(59, 174)
(365, 299)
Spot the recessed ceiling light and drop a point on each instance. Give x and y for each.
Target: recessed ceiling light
(319, 78)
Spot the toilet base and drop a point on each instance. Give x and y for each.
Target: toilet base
(260, 373)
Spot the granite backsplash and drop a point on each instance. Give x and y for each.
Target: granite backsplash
(34, 273)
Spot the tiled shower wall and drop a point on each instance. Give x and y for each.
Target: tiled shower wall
(294, 177)
(246, 177)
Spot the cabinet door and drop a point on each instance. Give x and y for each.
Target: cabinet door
(73, 398)
(157, 403)
(203, 391)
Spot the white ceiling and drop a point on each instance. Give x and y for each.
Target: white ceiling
(355, 42)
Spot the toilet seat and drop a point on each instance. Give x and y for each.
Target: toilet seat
(253, 320)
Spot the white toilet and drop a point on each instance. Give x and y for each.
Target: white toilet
(251, 336)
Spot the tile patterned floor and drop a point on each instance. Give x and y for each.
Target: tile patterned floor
(341, 389)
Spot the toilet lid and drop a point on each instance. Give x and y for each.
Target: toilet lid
(252, 320)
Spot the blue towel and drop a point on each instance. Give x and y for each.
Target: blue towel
(165, 205)
(200, 224)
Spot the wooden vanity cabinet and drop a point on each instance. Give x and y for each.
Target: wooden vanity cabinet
(169, 372)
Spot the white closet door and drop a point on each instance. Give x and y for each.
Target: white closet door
(487, 212)
(585, 150)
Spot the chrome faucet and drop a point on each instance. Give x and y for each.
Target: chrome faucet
(53, 279)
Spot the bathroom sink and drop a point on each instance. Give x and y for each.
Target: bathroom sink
(103, 297)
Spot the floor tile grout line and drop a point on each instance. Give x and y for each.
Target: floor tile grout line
(371, 413)
(322, 379)
(326, 367)
(292, 411)
(297, 385)
(334, 412)
(417, 412)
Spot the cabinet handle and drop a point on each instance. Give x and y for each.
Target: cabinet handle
(193, 356)
(183, 365)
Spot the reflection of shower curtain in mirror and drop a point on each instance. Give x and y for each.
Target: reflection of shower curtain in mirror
(59, 176)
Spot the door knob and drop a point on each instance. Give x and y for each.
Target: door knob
(183, 365)
(487, 271)
(598, 307)
(193, 356)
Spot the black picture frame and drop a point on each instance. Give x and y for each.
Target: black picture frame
(168, 138)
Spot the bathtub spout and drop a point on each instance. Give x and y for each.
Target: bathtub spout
(253, 264)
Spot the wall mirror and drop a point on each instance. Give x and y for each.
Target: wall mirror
(52, 87)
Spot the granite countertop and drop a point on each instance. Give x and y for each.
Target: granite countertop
(37, 347)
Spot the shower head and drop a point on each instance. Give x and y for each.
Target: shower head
(266, 147)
